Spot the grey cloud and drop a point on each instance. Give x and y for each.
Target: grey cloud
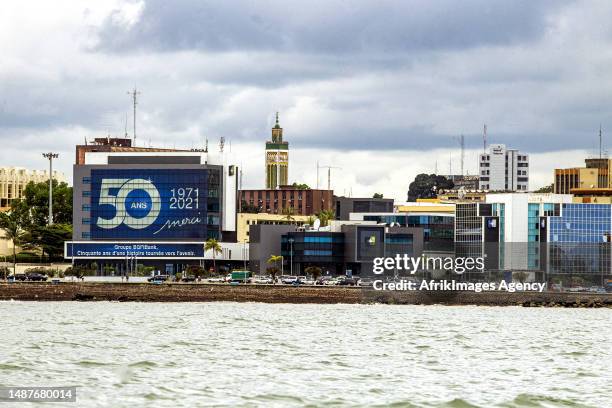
(327, 27)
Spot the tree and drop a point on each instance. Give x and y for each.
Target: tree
(248, 208)
(325, 216)
(50, 238)
(288, 213)
(274, 259)
(213, 245)
(13, 223)
(427, 185)
(546, 189)
(377, 195)
(36, 197)
(195, 270)
(315, 271)
(300, 186)
(273, 271)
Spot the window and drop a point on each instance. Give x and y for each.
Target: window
(86, 235)
(86, 193)
(86, 220)
(86, 207)
(86, 180)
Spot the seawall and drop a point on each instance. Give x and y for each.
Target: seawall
(136, 292)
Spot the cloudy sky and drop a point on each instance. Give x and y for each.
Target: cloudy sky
(381, 89)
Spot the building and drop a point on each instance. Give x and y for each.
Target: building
(277, 159)
(596, 174)
(456, 196)
(346, 205)
(246, 220)
(592, 195)
(303, 202)
(503, 169)
(348, 249)
(466, 181)
(265, 241)
(13, 181)
(153, 208)
(113, 144)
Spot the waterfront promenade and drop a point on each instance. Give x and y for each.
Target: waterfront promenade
(204, 292)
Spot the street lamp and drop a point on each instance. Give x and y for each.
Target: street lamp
(291, 240)
(50, 156)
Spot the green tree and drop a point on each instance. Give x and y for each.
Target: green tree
(195, 270)
(14, 223)
(377, 195)
(274, 260)
(36, 197)
(273, 272)
(427, 186)
(50, 238)
(546, 189)
(315, 271)
(288, 213)
(213, 245)
(300, 186)
(325, 216)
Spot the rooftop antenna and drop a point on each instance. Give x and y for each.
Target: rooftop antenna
(206, 145)
(450, 165)
(317, 174)
(221, 144)
(462, 144)
(484, 139)
(600, 144)
(436, 168)
(126, 118)
(134, 94)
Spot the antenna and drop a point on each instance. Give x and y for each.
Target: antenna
(436, 168)
(600, 144)
(462, 144)
(126, 134)
(134, 94)
(484, 139)
(317, 174)
(206, 145)
(450, 164)
(221, 143)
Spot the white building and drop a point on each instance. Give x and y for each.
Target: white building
(503, 169)
(13, 181)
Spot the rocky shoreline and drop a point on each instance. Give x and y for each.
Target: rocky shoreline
(181, 292)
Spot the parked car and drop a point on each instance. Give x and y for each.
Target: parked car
(188, 278)
(307, 281)
(366, 282)
(322, 280)
(158, 278)
(330, 282)
(216, 280)
(35, 277)
(263, 280)
(346, 281)
(19, 277)
(288, 280)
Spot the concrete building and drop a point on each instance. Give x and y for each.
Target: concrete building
(596, 174)
(13, 181)
(153, 208)
(246, 220)
(265, 241)
(346, 205)
(592, 195)
(503, 169)
(277, 159)
(304, 202)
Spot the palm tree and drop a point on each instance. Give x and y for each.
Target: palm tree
(213, 245)
(274, 259)
(326, 216)
(12, 225)
(289, 212)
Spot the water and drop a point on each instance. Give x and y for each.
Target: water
(251, 354)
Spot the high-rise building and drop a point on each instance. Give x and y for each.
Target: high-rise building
(277, 159)
(503, 169)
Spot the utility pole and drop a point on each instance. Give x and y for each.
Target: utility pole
(134, 94)
(50, 156)
(600, 144)
(328, 174)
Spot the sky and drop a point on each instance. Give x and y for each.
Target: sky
(382, 90)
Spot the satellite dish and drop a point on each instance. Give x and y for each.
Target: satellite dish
(317, 224)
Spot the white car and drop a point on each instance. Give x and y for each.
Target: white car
(263, 280)
(288, 280)
(307, 281)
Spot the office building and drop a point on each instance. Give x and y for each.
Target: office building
(596, 174)
(277, 159)
(113, 144)
(346, 205)
(13, 181)
(153, 208)
(246, 220)
(303, 202)
(502, 169)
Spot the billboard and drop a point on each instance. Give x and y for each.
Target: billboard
(151, 250)
(151, 204)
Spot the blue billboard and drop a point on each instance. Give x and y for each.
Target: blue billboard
(153, 204)
(152, 250)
